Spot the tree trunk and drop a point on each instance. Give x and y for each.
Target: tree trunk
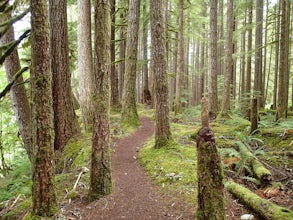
(147, 99)
(65, 120)
(229, 60)
(258, 53)
(84, 50)
(254, 115)
(277, 49)
(243, 65)
(18, 94)
(129, 111)
(212, 90)
(114, 75)
(180, 60)
(100, 177)
(210, 177)
(162, 132)
(284, 59)
(43, 190)
(248, 68)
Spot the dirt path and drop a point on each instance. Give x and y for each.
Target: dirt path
(134, 195)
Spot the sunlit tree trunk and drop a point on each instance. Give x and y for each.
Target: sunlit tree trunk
(65, 120)
(100, 176)
(84, 50)
(129, 110)
(162, 132)
(18, 94)
(180, 60)
(43, 190)
(228, 60)
(212, 89)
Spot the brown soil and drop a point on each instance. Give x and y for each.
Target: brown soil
(135, 197)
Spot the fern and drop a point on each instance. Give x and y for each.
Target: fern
(229, 152)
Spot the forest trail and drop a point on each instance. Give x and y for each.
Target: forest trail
(134, 195)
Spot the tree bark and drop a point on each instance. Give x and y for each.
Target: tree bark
(229, 60)
(162, 131)
(65, 120)
(283, 85)
(100, 176)
(43, 191)
(129, 111)
(180, 60)
(114, 73)
(277, 49)
(84, 50)
(210, 178)
(18, 94)
(254, 115)
(212, 90)
(258, 71)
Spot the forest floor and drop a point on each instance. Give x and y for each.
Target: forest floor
(135, 196)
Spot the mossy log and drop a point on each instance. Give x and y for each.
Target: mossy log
(263, 207)
(262, 173)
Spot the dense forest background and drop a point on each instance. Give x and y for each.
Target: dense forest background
(82, 68)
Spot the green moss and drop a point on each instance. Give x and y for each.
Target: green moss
(173, 167)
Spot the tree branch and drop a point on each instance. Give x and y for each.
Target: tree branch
(9, 86)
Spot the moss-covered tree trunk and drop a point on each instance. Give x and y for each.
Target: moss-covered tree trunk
(129, 110)
(163, 133)
(209, 171)
(44, 198)
(100, 177)
(65, 120)
(17, 93)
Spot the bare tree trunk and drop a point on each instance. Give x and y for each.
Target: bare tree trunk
(129, 111)
(283, 85)
(277, 49)
(100, 177)
(180, 60)
(114, 73)
(146, 92)
(65, 120)
(18, 94)
(258, 53)
(213, 91)
(163, 133)
(229, 60)
(43, 190)
(243, 65)
(84, 50)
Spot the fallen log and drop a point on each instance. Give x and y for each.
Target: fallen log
(263, 207)
(262, 173)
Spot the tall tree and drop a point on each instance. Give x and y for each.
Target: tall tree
(146, 92)
(228, 60)
(248, 61)
(129, 110)
(163, 133)
(18, 93)
(100, 179)
(114, 75)
(258, 53)
(84, 50)
(65, 120)
(277, 47)
(180, 59)
(213, 91)
(283, 85)
(44, 197)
